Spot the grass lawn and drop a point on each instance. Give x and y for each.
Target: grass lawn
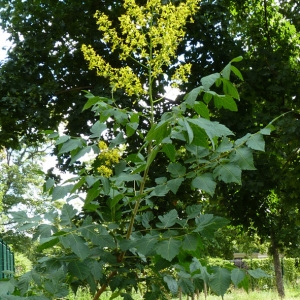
(256, 295)
(291, 294)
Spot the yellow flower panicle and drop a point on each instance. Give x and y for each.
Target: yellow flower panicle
(107, 158)
(150, 36)
(105, 171)
(102, 145)
(180, 74)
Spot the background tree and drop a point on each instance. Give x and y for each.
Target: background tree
(267, 197)
(21, 190)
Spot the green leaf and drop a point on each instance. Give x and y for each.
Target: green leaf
(225, 146)
(237, 59)
(70, 145)
(97, 129)
(146, 218)
(193, 211)
(243, 158)
(239, 142)
(59, 192)
(237, 275)
(191, 242)
(45, 230)
(176, 169)
(170, 151)
(220, 281)
(191, 97)
(105, 240)
(189, 131)
(168, 220)
(228, 173)
(174, 184)
(80, 154)
(47, 243)
(161, 180)
(258, 273)
(226, 71)
(126, 296)
(131, 128)
(95, 268)
(245, 283)
(207, 224)
(146, 244)
(212, 128)
(230, 89)
(267, 130)
(168, 249)
(202, 109)
(118, 140)
(225, 101)
(204, 221)
(92, 100)
(157, 132)
(209, 80)
(200, 137)
(205, 182)
(152, 155)
(92, 193)
(171, 283)
(94, 233)
(160, 191)
(6, 287)
(186, 286)
(115, 200)
(68, 212)
(62, 139)
(49, 184)
(208, 96)
(77, 245)
(236, 72)
(256, 142)
(79, 269)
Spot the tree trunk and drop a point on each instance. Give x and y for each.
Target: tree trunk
(277, 268)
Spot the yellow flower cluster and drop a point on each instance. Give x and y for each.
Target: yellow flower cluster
(107, 157)
(180, 74)
(105, 171)
(150, 36)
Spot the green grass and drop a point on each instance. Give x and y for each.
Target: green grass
(291, 294)
(256, 295)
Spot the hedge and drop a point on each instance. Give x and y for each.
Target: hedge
(290, 267)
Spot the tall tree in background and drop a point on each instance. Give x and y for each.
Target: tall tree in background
(268, 197)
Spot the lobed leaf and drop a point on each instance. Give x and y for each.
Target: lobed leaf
(168, 220)
(171, 283)
(77, 245)
(256, 142)
(243, 157)
(168, 249)
(204, 182)
(228, 173)
(220, 281)
(237, 275)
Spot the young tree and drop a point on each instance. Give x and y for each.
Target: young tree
(128, 245)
